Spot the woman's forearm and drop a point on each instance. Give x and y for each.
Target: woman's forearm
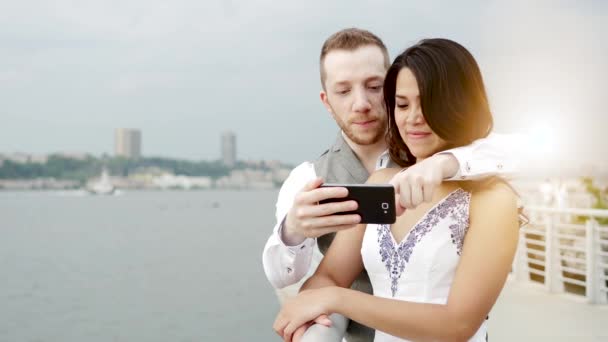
(409, 320)
(318, 281)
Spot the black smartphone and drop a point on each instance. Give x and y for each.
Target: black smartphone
(376, 201)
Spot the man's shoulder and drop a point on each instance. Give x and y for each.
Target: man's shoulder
(323, 155)
(331, 152)
(303, 168)
(298, 177)
(334, 148)
(308, 167)
(324, 163)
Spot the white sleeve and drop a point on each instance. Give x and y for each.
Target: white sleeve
(495, 155)
(286, 265)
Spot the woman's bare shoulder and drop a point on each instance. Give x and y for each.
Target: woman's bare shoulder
(498, 198)
(382, 175)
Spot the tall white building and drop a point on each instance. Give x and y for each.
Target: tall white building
(229, 148)
(127, 143)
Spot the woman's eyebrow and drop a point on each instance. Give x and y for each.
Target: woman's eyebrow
(403, 97)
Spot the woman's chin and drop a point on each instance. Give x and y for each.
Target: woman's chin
(423, 152)
(419, 154)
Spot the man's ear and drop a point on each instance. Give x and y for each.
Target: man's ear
(323, 96)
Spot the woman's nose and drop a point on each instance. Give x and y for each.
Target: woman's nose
(415, 117)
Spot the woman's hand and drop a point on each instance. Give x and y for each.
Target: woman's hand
(306, 307)
(418, 183)
(322, 320)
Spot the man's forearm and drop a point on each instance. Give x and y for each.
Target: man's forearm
(496, 155)
(286, 265)
(448, 164)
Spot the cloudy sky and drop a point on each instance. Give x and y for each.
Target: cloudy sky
(183, 71)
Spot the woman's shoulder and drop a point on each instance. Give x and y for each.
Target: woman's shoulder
(495, 197)
(383, 175)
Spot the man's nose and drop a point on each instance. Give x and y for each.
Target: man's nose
(362, 103)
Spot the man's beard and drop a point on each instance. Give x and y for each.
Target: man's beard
(362, 140)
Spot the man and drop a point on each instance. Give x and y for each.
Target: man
(353, 64)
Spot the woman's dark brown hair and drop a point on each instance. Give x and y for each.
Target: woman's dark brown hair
(452, 95)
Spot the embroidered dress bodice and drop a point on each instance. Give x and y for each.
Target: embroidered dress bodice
(422, 266)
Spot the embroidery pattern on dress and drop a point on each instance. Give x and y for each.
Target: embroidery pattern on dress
(459, 228)
(395, 258)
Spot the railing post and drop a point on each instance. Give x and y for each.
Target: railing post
(591, 280)
(600, 268)
(520, 266)
(553, 257)
(549, 270)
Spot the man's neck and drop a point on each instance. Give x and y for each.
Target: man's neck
(367, 154)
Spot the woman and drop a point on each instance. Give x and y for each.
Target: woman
(438, 270)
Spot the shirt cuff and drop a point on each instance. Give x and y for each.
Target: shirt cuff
(469, 169)
(307, 243)
(462, 156)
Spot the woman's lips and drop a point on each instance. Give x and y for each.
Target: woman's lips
(418, 135)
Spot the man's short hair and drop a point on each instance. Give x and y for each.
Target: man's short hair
(350, 39)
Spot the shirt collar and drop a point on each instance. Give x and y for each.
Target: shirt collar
(383, 160)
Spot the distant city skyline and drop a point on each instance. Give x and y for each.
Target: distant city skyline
(538, 170)
(185, 71)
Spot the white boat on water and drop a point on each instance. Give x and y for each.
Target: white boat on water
(103, 186)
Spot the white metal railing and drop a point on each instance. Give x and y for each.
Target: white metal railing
(563, 256)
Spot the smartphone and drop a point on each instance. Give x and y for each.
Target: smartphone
(376, 201)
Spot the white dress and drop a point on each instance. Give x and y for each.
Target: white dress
(422, 267)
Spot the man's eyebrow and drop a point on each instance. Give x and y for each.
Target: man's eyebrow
(370, 79)
(341, 83)
(374, 78)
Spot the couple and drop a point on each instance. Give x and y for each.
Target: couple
(429, 116)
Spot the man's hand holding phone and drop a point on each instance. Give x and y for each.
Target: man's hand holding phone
(320, 209)
(309, 219)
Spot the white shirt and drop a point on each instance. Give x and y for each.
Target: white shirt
(287, 265)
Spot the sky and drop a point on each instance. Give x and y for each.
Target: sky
(184, 71)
